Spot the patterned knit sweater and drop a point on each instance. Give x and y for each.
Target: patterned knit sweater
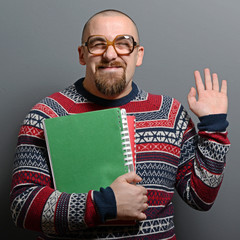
(169, 154)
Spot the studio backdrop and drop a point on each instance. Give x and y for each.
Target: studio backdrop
(38, 56)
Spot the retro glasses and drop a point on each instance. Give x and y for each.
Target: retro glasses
(122, 44)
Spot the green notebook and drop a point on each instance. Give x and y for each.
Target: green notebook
(88, 150)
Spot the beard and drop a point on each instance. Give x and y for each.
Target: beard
(110, 83)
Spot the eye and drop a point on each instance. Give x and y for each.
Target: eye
(123, 44)
(97, 43)
(100, 44)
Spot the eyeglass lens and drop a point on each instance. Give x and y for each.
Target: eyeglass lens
(122, 44)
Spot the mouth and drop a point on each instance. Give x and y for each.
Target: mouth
(109, 67)
(115, 66)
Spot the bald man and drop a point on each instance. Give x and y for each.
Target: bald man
(169, 153)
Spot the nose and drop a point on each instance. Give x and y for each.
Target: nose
(110, 53)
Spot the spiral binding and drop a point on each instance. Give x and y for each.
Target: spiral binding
(128, 157)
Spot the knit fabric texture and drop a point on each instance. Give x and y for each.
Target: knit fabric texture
(169, 155)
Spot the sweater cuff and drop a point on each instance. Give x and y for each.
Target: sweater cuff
(106, 203)
(214, 123)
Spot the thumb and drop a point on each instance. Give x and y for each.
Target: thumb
(192, 97)
(131, 177)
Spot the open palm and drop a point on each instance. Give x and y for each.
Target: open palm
(211, 99)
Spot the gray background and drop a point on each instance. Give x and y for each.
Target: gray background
(38, 56)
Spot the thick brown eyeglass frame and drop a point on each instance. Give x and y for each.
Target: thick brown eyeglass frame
(111, 43)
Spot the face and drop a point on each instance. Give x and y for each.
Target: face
(110, 74)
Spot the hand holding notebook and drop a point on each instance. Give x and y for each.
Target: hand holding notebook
(131, 199)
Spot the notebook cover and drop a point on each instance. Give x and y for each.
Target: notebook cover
(85, 150)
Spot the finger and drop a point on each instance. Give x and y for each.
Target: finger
(224, 87)
(215, 82)
(145, 207)
(208, 81)
(131, 177)
(143, 189)
(145, 199)
(192, 97)
(142, 216)
(198, 81)
(192, 93)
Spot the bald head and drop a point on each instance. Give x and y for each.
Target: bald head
(107, 13)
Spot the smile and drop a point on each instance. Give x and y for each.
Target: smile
(115, 68)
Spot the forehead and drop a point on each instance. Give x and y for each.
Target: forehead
(110, 26)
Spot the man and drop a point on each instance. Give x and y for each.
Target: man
(168, 150)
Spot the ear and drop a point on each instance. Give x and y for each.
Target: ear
(140, 56)
(81, 55)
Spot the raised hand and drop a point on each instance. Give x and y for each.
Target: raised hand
(131, 199)
(211, 99)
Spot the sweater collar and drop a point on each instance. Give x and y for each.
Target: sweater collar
(105, 102)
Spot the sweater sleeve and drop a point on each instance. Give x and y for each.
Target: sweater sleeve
(35, 205)
(202, 161)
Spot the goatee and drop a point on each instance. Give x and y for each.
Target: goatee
(110, 83)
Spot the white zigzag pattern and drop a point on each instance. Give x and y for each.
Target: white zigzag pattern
(34, 119)
(208, 178)
(76, 211)
(157, 174)
(162, 113)
(48, 213)
(156, 225)
(158, 165)
(72, 94)
(213, 150)
(187, 150)
(27, 156)
(146, 227)
(18, 203)
(164, 136)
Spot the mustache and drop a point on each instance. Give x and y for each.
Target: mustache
(111, 64)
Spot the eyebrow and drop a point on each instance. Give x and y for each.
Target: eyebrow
(99, 38)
